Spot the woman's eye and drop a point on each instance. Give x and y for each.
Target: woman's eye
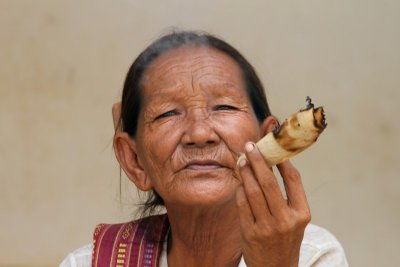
(166, 114)
(225, 107)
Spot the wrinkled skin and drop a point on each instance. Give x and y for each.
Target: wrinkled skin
(196, 106)
(195, 119)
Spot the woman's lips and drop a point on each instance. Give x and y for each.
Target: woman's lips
(203, 165)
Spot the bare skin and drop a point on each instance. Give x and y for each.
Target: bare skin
(195, 120)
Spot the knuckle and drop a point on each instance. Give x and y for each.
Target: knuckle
(305, 217)
(263, 234)
(302, 219)
(285, 227)
(294, 174)
(267, 182)
(250, 235)
(241, 202)
(253, 193)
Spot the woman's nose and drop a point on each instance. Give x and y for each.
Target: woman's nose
(200, 132)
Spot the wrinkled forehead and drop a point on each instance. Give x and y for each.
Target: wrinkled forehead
(192, 67)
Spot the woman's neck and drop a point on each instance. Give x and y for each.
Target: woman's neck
(206, 237)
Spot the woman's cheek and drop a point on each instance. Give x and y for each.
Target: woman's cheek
(161, 139)
(237, 129)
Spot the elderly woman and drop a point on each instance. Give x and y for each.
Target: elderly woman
(191, 104)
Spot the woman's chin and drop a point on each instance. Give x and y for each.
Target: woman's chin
(206, 192)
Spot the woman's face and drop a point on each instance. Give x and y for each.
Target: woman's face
(194, 121)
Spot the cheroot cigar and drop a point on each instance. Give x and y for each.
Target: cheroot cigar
(297, 133)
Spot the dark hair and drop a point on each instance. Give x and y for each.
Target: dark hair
(131, 95)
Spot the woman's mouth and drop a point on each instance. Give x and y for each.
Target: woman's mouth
(203, 165)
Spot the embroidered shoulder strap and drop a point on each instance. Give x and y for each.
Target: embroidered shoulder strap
(132, 244)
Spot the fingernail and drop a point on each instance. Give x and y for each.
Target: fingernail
(242, 162)
(249, 147)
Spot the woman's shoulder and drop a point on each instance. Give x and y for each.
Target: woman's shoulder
(154, 226)
(82, 257)
(321, 248)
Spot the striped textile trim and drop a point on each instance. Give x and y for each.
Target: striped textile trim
(134, 244)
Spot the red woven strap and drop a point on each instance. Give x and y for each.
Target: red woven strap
(133, 244)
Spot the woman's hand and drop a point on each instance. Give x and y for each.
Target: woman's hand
(272, 227)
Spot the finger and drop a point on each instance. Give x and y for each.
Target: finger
(293, 185)
(246, 217)
(116, 114)
(266, 179)
(254, 194)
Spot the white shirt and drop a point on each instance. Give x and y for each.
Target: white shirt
(319, 248)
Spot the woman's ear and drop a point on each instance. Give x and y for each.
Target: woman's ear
(268, 125)
(126, 153)
(116, 115)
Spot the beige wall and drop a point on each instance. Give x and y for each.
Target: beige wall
(62, 65)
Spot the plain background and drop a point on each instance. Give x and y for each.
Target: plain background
(62, 66)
